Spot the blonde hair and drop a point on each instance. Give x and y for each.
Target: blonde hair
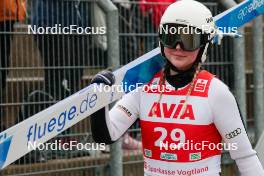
(162, 83)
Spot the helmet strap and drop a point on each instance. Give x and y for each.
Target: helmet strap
(204, 52)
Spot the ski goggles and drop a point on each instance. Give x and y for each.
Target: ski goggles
(189, 38)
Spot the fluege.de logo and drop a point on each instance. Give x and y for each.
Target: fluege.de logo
(58, 123)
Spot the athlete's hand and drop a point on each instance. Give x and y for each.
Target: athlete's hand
(104, 77)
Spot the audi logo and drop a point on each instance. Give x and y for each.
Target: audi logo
(233, 134)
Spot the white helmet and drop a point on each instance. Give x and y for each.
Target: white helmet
(192, 14)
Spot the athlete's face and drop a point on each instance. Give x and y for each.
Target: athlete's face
(180, 58)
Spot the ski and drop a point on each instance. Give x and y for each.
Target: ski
(50, 122)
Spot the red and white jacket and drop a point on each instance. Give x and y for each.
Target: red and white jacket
(190, 144)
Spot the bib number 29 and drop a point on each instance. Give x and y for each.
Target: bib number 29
(176, 135)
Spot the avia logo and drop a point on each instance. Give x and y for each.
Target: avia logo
(209, 20)
(171, 111)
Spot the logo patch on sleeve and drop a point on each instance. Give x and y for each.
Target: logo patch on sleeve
(125, 110)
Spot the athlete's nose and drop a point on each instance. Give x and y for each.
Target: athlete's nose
(178, 46)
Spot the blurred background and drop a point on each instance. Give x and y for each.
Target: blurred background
(37, 71)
